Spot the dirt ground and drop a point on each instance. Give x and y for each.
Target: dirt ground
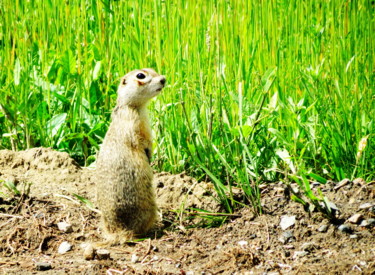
(185, 241)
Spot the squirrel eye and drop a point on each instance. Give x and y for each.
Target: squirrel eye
(141, 76)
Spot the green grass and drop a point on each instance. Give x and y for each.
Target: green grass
(257, 90)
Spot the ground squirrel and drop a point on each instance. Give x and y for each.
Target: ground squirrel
(125, 195)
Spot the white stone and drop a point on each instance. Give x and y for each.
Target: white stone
(332, 206)
(103, 254)
(65, 227)
(356, 218)
(89, 252)
(243, 243)
(287, 221)
(134, 258)
(366, 205)
(64, 247)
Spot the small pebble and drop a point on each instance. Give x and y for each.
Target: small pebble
(282, 240)
(364, 223)
(243, 243)
(155, 258)
(253, 236)
(371, 221)
(366, 205)
(39, 215)
(356, 218)
(89, 252)
(332, 206)
(134, 258)
(287, 221)
(43, 266)
(103, 254)
(323, 228)
(64, 247)
(353, 236)
(344, 228)
(287, 237)
(65, 227)
(341, 184)
(190, 273)
(299, 254)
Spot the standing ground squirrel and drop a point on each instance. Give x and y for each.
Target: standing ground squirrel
(125, 195)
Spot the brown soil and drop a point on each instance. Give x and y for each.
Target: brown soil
(185, 241)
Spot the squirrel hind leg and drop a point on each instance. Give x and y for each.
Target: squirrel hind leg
(147, 224)
(114, 235)
(118, 238)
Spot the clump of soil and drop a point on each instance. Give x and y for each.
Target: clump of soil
(54, 173)
(30, 237)
(184, 192)
(48, 172)
(39, 159)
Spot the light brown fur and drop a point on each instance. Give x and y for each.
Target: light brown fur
(125, 195)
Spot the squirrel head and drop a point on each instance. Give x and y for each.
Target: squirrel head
(139, 86)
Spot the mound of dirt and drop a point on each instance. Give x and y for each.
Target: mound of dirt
(184, 192)
(46, 172)
(39, 159)
(49, 172)
(284, 239)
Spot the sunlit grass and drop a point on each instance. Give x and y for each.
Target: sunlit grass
(257, 90)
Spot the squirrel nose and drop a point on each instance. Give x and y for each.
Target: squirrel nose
(163, 80)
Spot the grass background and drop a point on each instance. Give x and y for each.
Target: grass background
(257, 90)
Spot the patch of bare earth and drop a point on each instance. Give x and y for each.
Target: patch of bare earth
(245, 243)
